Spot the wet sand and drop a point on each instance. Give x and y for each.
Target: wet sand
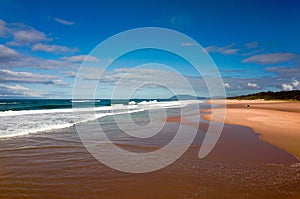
(55, 164)
(277, 122)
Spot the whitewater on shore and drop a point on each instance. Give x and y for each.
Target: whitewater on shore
(26, 120)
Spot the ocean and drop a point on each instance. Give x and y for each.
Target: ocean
(25, 116)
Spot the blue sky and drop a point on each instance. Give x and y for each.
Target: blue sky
(255, 44)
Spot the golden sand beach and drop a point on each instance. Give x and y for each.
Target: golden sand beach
(277, 122)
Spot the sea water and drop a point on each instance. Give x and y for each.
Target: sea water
(22, 117)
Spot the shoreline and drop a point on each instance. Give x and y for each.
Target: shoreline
(239, 166)
(276, 122)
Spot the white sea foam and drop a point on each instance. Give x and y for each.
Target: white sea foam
(17, 123)
(33, 112)
(132, 103)
(148, 102)
(5, 103)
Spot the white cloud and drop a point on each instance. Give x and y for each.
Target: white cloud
(227, 85)
(16, 87)
(251, 44)
(81, 58)
(52, 48)
(3, 28)
(226, 50)
(7, 54)
(27, 77)
(270, 58)
(18, 90)
(253, 52)
(46, 64)
(230, 51)
(278, 81)
(252, 85)
(89, 73)
(21, 34)
(294, 85)
(60, 82)
(29, 36)
(285, 72)
(69, 73)
(287, 87)
(64, 22)
(33, 62)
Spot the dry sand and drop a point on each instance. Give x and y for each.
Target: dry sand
(278, 122)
